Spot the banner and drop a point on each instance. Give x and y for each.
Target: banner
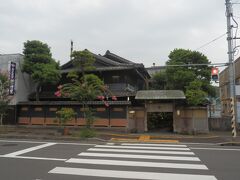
(12, 72)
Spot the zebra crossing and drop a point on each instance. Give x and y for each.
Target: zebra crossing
(137, 161)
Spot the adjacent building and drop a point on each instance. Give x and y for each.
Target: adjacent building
(225, 94)
(21, 85)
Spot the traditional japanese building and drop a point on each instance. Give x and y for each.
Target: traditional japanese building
(132, 111)
(123, 79)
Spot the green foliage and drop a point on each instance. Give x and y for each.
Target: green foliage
(35, 52)
(4, 95)
(87, 133)
(45, 73)
(86, 87)
(64, 115)
(180, 77)
(195, 95)
(36, 47)
(83, 60)
(38, 62)
(159, 81)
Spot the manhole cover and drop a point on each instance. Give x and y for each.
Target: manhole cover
(9, 145)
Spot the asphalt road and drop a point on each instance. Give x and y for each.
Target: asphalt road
(33, 160)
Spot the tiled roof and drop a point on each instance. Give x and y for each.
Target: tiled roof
(50, 95)
(106, 61)
(117, 58)
(73, 103)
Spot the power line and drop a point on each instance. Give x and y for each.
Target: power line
(237, 17)
(236, 2)
(219, 37)
(191, 65)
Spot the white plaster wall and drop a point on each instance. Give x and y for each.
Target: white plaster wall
(23, 84)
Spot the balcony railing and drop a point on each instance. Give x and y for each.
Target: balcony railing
(121, 87)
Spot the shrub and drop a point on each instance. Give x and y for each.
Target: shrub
(64, 115)
(87, 133)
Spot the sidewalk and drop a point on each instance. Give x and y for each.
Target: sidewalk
(51, 133)
(212, 137)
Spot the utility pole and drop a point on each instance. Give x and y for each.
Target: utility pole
(71, 50)
(231, 66)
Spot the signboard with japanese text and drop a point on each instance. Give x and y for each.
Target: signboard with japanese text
(12, 72)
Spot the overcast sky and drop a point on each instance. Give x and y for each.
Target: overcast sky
(144, 31)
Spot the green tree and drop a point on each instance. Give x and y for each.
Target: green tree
(195, 94)
(83, 60)
(180, 77)
(83, 87)
(38, 62)
(64, 115)
(159, 80)
(4, 95)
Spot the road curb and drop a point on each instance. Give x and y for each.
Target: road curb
(161, 136)
(230, 143)
(143, 140)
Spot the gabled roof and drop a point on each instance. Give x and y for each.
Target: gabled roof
(99, 61)
(160, 94)
(109, 62)
(103, 60)
(117, 58)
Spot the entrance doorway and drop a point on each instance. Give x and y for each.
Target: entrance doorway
(160, 121)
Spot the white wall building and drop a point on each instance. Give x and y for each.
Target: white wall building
(23, 86)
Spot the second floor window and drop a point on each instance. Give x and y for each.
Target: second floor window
(115, 79)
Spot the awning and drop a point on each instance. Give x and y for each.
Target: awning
(160, 95)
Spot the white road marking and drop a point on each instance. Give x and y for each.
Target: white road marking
(17, 141)
(140, 147)
(28, 150)
(129, 174)
(110, 143)
(78, 144)
(147, 144)
(43, 142)
(137, 163)
(211, 144)
(216, 149)
(178, 158)
(33, 158)
(141, 151)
